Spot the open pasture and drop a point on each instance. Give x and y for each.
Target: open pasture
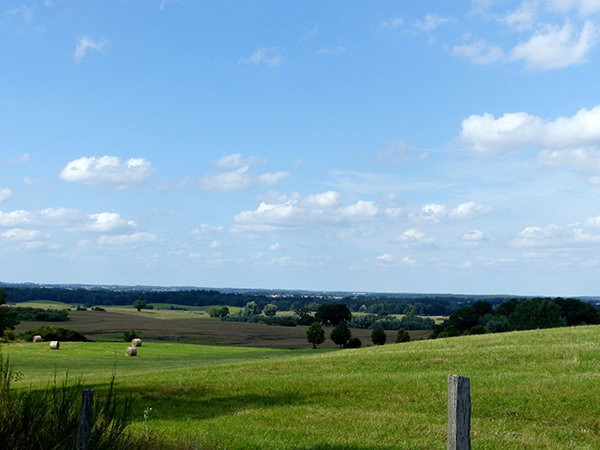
(193, 327)
(530, 390)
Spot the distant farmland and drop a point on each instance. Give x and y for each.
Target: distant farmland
(193, 327)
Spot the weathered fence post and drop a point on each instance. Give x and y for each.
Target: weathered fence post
(459, 413)
(85, 420)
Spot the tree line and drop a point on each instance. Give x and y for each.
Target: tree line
(379, 304)
(517, 314)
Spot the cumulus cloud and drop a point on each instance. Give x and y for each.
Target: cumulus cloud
(266, 56)
(106, 222)
(85, 43)
(554, 47)
(583, 233)
(567, 141)
(514, 131)
(436, 213)
(296, 212)
(107, 171)
(385, 257)
(5, 194)
(414, 238)
(552, 34)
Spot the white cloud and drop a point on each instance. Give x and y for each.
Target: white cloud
(68, 219)
(395, 22)
(204, 231)
(107, 171)
(275, 247)
(469, 210)
(106, 222)
(266, 56)
(272, 178)
(54, 217)
(522, 18)
(85, 43)
(555, 236)
(473, 236)
(432, 21)
(514, 131)
(385, 257)
(554, 47)
(415, 238)
(324, 209)
(237, 160)
(5, 194)
(127, 239)
(435, 213)
(228, 181)
(480, 52)
(22, 234)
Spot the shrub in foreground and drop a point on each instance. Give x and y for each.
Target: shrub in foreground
(47, 419)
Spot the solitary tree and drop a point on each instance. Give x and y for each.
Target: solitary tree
(402, 336)
(341, 334)
(315, 334)
(378, 336)
(139, 305)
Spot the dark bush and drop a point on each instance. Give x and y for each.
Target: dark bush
(53, 333)
(354, 342)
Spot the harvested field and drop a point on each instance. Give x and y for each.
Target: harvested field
(196, 328)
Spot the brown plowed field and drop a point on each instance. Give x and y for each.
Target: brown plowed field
(195, 327)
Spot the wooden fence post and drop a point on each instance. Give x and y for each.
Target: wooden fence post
(85, 420)
(459, 413)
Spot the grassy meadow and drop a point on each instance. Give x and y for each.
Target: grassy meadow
(530, 390)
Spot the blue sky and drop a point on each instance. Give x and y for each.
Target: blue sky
(359, 146)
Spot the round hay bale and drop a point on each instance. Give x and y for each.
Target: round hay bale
(136, 342)
(54, 345)
(37, 338)
(131, 351)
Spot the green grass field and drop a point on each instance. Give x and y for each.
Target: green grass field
(530, 390)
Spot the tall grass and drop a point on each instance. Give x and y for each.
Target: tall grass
(47, 419)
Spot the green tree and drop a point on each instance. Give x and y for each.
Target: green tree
(353, 342)
(333, 314)
(139, 305)
(7, 321)
(378, 336)
(341, 334)
(536, 313)
(315, 334)
(270, 310)
(402, 336)
(250, 309)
